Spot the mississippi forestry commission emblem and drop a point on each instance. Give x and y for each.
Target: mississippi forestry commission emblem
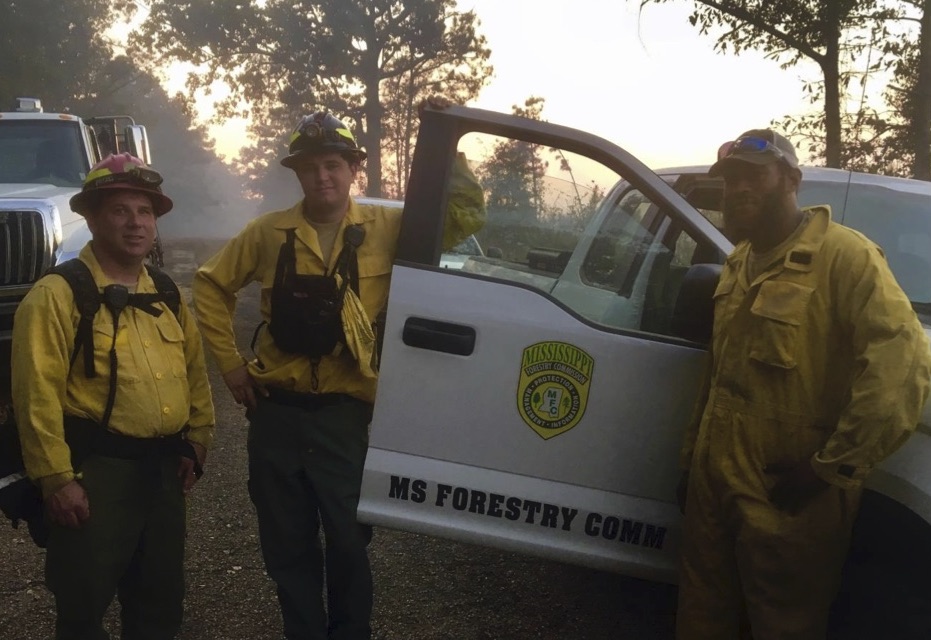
(553, 389)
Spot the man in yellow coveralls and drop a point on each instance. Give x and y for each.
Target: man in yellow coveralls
(820, 369)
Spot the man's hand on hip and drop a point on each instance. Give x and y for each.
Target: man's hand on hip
(68, 506)
(797, 484)
(243, 386)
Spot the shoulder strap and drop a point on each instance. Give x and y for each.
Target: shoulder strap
(167, 289)
(347, 263)
(87, 300)
(287, 258)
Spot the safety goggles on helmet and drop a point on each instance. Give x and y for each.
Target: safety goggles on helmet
(121, 171)
(310, 127)
(321, 132)
(132, 174)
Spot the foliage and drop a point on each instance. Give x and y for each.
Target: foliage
(522, 213)
(831, 33)
(894, 139)
(53, 50)
(366, 61)
(513, 173)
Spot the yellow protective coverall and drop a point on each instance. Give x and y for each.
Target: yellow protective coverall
(253, 254)
(820, 358)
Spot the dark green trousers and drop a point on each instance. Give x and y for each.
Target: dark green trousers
(132, 546)
(305, 469)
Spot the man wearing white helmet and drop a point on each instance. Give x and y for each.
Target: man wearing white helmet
(114, 413)
(324, 265)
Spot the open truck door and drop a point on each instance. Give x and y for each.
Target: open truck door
(535, 399)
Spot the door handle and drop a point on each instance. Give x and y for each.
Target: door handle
(435, 335)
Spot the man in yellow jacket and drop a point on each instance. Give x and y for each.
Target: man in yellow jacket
(819, 370)
(324, 266)
(114, 413)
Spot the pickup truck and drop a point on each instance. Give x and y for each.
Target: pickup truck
(536, 401)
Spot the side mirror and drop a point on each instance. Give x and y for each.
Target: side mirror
(138, 142)
(693, 316)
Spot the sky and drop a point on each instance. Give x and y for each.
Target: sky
(645, 80)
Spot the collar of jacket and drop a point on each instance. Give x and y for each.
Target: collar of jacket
(801, 256)
(294, 219)
(145, 283)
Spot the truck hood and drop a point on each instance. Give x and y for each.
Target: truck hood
(74, 233)
(59, 196)
(36, 191)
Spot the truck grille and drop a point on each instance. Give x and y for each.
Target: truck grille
(22, 241)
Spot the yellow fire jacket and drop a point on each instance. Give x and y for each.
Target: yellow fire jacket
(252, 257)
(821, 358)
(161, 381)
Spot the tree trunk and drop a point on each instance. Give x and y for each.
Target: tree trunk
(373, 130)
(921, 124)
(830, 66)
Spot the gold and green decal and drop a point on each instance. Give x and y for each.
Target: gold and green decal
(553, 389)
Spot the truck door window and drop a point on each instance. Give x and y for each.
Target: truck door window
(578, 231)
(639, 256)
(539, 202)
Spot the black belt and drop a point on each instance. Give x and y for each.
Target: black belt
(307, 401)
(86, 436)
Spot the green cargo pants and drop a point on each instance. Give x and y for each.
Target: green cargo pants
(305, 468)
(132, 545)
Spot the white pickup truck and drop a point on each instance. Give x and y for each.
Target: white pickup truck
(536, 402)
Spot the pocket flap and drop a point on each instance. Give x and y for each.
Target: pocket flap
(782, 301)
(169, 328)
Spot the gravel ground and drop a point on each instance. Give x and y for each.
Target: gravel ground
(426, 588)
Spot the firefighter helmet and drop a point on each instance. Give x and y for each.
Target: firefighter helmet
(321, 132)
(121, 171)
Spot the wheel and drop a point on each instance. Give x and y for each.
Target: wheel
(885, 587)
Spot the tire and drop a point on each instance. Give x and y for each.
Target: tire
(885, 591)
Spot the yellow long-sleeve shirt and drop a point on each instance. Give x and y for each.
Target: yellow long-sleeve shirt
(252, 256)
(161, 380)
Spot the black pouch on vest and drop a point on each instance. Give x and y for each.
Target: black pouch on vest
(306, 315)
(306, 310)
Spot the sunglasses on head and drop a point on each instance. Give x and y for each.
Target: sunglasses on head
(141, 176)
(753, 144)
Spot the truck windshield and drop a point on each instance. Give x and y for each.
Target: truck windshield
(41, 152)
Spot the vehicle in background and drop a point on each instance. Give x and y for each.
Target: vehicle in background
(44, 158)
(893, 212)
(536, 401)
